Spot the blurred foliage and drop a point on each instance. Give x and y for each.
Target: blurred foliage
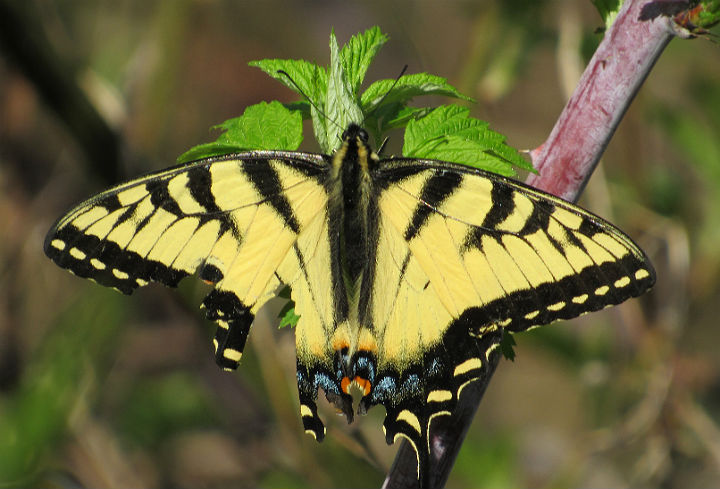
(705, 14)
(63, 374)
(156, 408)
(101, 390)
(608, 10)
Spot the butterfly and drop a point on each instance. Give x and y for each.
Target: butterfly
(405, 272)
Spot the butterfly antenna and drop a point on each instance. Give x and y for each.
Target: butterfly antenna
(300, 90)
(382, 146)
(397, 79)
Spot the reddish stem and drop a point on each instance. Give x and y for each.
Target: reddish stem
(565, 162)
(615, 73)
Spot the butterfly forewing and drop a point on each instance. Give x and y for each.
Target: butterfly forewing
(235, 220)
(521, 256)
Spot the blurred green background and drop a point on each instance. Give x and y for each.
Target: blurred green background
(102, 390)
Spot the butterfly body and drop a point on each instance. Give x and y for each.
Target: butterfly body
(404, 272)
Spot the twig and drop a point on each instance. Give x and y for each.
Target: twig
(565, 162)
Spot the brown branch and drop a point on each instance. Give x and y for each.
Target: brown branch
(565, 162)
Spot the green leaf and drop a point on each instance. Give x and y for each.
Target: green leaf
(405, 89)
(310, 79)
(333, 100)
(287, 313)
(359, 52)
(706, 15)
(507, 345)
(301, 106)
(288, 317)
(207, 150)
(385, 101)
(608, 10)
(392, 116)
(341, 107)
(448, 133)
(262, 126)
(401, 115)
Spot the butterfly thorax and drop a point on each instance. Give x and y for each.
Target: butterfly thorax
(351, 164)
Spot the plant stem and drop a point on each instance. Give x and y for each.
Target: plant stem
(565, 161)
(615, 73)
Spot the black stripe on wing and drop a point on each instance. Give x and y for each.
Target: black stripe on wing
(438, 188)
(267, 183)
(110, 264)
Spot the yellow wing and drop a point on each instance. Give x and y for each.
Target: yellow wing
(463, 255)
(243, 222)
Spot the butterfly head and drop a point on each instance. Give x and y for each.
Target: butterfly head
(355, 134)
(356, 149)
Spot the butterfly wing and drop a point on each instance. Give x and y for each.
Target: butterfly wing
(463, 255)
(243, 222)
